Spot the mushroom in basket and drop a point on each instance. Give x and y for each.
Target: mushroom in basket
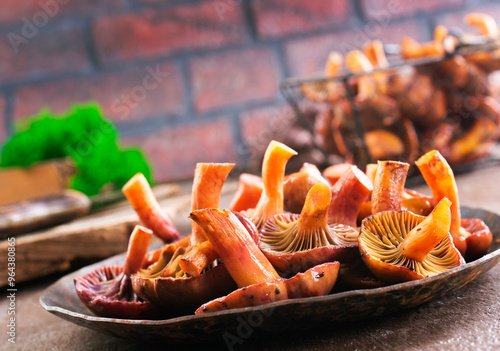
(387, 135)
(487, 27)
(327, 90)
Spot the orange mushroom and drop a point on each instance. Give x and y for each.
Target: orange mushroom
(142, 199)
(402, 246)
(297, 185)
(258, 281)
(294, 243)
(440, 178)
(273, 173)
(107, 291)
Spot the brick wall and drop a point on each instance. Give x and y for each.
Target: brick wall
(190, 81)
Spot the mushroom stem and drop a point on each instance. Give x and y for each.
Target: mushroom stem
(426, 235)
(273, 173)
(334, 64)
(389, 185)
(201, 256)
(198, 258)
(374, 51)
(348, 195)
(412, 49)
(207, 185)
(248, 193)
(357, 62)
(137, 248)
(440, 178)
(141, 197)
(335, 172)
(483, 22)
(371, 171)
(244, 261)
(315, 211)
(481, 134)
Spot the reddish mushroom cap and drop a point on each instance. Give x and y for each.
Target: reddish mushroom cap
(379, 241)
(108, 292)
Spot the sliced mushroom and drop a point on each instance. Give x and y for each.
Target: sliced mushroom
(440, 178)
(411, 49)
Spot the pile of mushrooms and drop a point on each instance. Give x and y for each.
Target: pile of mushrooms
(438, 101)
(286, 237)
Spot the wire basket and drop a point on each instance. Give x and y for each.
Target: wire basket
(405, 118)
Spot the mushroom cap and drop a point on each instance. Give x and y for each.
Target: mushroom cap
(355, 275)
(379, 241)
(296, 186)
(480, 237)
(316, 281)
(291, 252)
(184, 294)
(108, 292)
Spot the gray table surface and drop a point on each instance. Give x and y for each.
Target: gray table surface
(467, 319)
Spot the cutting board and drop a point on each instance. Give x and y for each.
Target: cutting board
(98, 235)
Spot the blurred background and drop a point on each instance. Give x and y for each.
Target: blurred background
(190, 81)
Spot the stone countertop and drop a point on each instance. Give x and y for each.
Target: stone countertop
(467, 319)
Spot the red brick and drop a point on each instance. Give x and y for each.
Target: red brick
(376, 9)
(14, 10)
(174, 151)
(156, 32)
(123, 95)
(225, 79)
(3, 131)
(56, 50)
(456, 19)
(261, 125)
(308, 56)
(281, 17)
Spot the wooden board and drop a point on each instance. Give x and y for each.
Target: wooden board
(41, 179)
(98, 235)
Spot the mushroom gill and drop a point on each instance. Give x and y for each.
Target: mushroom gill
(281, 233)
(295, 242)
(382, 243)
